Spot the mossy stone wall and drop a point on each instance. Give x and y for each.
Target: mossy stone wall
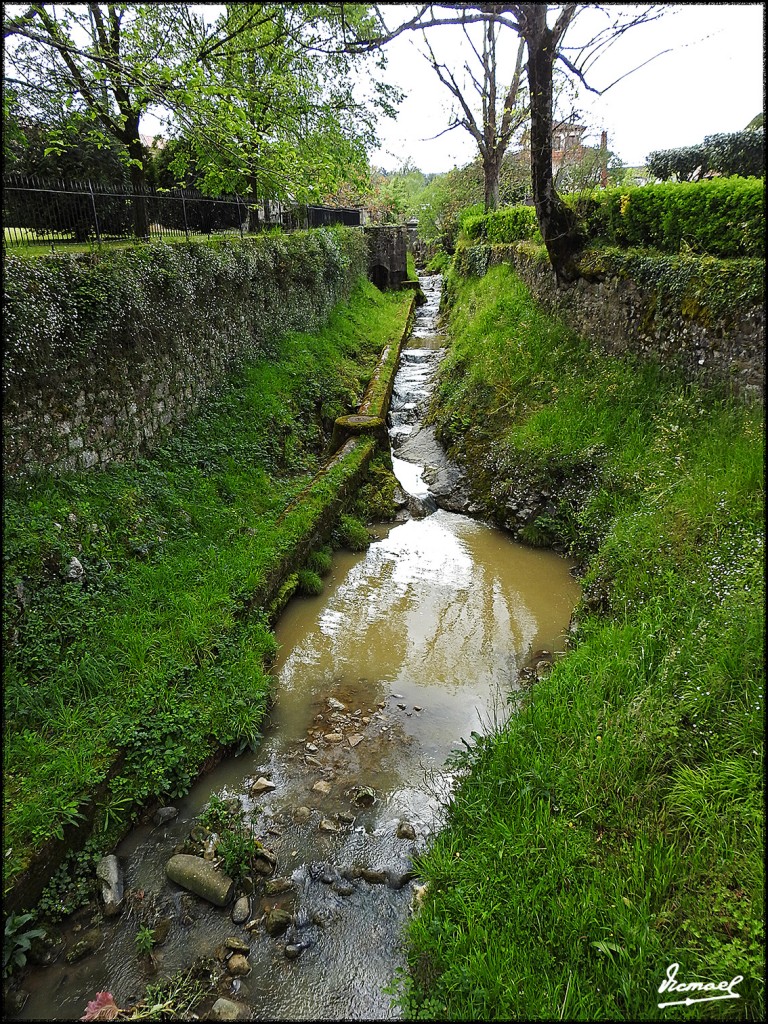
(105, 353)
(702, 315)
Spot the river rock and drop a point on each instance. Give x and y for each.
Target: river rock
(237, 945)
(161, 930)
(89, 943)
(333, 737)
(276, 886)
(302, 814)
(405, 830)
(199, 834)
(200, 877)
(226, 1009)
(397, 879)
(335, 705)
(322, 787)
(163, 815)
(46, 948)
(241, 910)
(277, 920)
(238, 966)
(110, 874)
(264, 861)
(261, 785)
(365, 796)
(326, 825)
(75, 571)
(354, 740)
(373, 877)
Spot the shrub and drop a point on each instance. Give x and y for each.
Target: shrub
(724, 217)
(737, 152)
(309, 583)
(352, 534)
(509, 224)
(740, 153)
(683, 163)
(320, 562)
(439, 262)
(16, 943)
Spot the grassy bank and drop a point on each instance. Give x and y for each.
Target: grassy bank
(615, 826)
(138, 654)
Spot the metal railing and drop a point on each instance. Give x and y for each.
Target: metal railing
(52, 214)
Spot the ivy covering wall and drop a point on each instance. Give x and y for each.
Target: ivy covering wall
(701, 315)
(105, 352)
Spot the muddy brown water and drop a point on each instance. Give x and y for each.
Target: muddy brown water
(412, 646)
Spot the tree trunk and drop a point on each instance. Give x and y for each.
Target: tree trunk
(491, 171)
(138, 180)
(557, 223)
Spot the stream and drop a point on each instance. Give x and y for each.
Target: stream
(412, 646)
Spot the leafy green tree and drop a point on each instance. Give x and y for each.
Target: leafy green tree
(109, 63)
(272, 118)
(257, 110)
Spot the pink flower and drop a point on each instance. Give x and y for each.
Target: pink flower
(103, 1007)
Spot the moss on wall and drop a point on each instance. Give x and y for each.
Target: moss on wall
(104, 353)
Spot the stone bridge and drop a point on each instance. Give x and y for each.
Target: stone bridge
(387, 252)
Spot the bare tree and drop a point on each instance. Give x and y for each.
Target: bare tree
(500, 116)
(542, 27)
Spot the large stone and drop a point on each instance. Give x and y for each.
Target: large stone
(226, 1009)
(262, 785)
(200, 877)
(109, 873)
(241, 910)
(88, 944)
(238, 966)
(277, 921)
(164, 814)
(405, 830)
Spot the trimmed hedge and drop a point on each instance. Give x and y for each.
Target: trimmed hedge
(510, 224)
(732, 153)
(724, 217)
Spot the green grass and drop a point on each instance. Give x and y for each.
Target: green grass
(26, 242)
(151, 654)
(615, 826)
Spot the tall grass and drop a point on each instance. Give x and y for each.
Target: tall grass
(614, 826)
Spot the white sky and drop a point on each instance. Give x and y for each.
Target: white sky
(711, 82)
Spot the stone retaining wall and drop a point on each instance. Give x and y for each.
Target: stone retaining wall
(625, 318)
(106, 355)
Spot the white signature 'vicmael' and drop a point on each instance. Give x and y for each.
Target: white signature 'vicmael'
(671, 984)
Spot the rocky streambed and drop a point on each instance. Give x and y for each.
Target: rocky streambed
(283, 881)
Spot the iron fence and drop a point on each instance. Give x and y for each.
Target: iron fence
(45, 213)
